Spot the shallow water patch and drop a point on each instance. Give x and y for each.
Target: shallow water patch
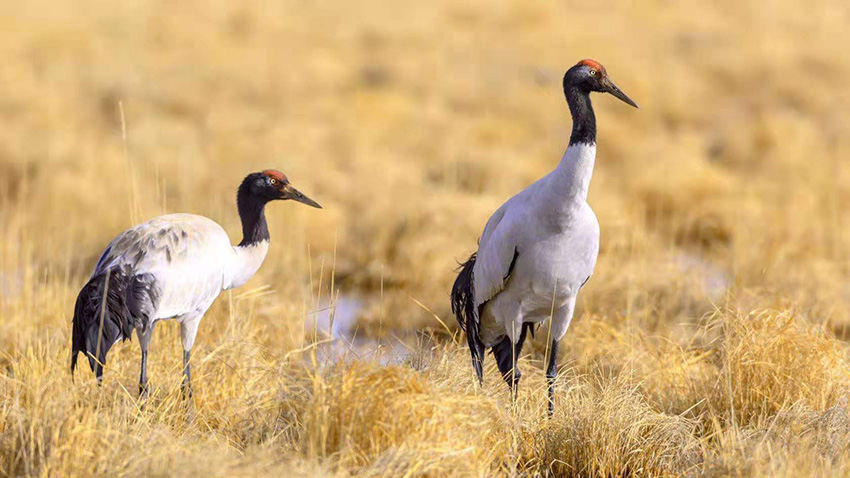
(335, 327)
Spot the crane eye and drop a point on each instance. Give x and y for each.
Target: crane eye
(273, 181)
(592, 72)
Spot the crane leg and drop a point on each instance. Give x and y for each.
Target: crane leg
(188, 332)
(560, 323)
(187, 375)
(143, 376)
(506, 354)
(552, 374)
(144, 341)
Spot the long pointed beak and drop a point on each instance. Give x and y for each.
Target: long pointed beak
(296, 195)
(610, 87)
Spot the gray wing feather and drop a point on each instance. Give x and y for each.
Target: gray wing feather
(159, 243)
(497, 253)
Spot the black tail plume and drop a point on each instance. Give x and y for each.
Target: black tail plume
(98, 326)
(463, 306)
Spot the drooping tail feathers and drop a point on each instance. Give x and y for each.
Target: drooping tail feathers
(463, 300)
(98, 326)
(466, 312)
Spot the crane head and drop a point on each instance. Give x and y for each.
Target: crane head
(589, 75)
(282, 190)
(271, 185)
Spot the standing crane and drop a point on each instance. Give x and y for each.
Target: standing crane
(538, 249)
(173, 266)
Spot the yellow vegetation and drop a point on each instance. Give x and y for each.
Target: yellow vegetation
(710, 340)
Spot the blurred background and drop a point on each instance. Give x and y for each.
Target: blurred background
(411, 122)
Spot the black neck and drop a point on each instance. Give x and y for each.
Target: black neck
(253, 216)
(584, 121)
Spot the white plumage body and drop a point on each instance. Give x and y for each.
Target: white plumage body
(191, 260)
(555, 236)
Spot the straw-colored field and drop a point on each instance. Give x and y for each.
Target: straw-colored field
(710, 341)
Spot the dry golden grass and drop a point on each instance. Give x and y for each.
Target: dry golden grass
(711, 340)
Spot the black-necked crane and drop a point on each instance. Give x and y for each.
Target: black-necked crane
(173, 266)
(538, 249)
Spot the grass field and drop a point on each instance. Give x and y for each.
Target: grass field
(711, 340)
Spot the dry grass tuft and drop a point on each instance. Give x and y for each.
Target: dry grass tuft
(711, 340)
(769, 360)
(406, 424)
(609, 429)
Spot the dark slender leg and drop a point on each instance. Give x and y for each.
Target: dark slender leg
(143, 377)
(187, 375)
(551, 374)
(507, 354)
(144, 336)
